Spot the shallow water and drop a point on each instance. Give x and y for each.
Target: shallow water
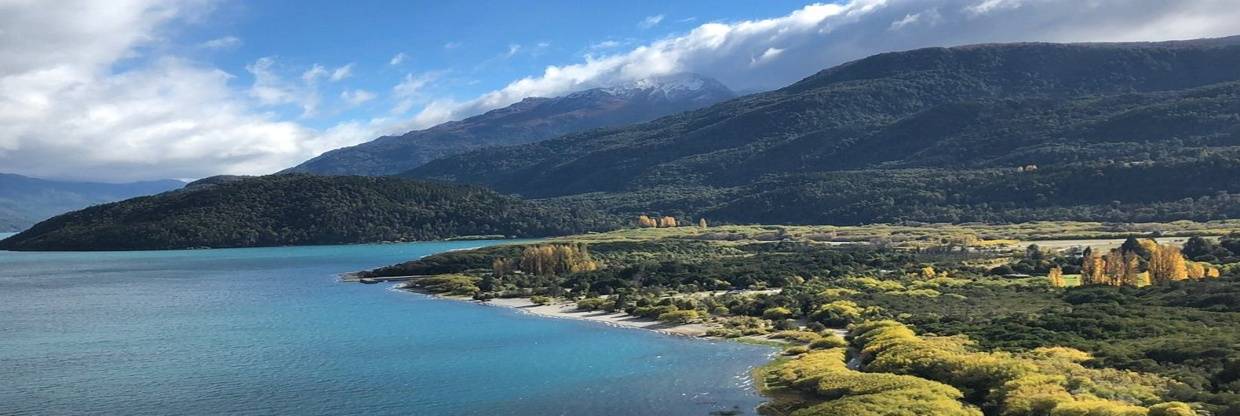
(270, 331)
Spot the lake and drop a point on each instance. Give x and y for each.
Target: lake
(270, 331)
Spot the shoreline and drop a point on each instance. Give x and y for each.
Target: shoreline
(568, 310)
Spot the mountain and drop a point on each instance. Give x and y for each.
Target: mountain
(530, 120)
(25, 200)
(298, 209)
(1114, 132)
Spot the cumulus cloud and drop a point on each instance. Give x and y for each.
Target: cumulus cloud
(66, 112)
(769, 53)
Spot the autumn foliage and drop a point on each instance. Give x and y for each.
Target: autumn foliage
(548, 259)
(644, 221)
(1139, 263)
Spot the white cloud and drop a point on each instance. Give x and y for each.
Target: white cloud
(987, 6)
(227, 42)
(356, 97)
(650, 21)
(769, 53)
(314, 73)
(398, 59)
(66, 112)
(342, 73)
(409, 91)
(268, 87)
(452, 45)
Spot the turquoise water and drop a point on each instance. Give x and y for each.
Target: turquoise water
(270, 331)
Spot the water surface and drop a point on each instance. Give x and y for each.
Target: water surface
(270, 331)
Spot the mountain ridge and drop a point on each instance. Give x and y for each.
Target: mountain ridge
(976, 108)
(25, 200)
(529, 120)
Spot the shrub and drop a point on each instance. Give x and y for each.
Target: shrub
(679, 317)
(828, 342)
(777, 313)
(541, 300)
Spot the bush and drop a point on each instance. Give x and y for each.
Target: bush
(777, 313)
(828, 342)
(679, 317)
(541, 300)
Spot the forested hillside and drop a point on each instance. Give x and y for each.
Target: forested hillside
(1013, 132)
(299, 210)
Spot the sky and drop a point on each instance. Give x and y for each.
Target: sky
(121, 90)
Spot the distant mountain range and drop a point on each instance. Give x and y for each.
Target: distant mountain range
(530, 120)
(1007, 132)
(25, 201)
(300, 209)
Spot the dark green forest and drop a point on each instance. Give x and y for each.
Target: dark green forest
(300, 210)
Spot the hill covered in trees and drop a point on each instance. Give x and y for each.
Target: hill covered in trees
(1010, 132)
(530, 120)
(299, 210)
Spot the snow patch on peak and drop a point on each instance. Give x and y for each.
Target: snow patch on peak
(669, 86)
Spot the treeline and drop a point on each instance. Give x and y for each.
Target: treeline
(300, 210)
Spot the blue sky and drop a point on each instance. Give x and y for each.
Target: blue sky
(475, 47)
(119, 90)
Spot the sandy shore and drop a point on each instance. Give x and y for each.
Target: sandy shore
(569, 311)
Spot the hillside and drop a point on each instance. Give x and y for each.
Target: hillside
(530, 120)
(1117, 132)
(299, 210)
(25, 201)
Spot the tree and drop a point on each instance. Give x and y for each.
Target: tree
(702, 223)
(646, 222)
(1093, 268)
(551, 259)
(1167, 264)
(1055, 275)
(501, 267)
(667, 222)
(1198, 247)
(1033, 252)
(1196, 271)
